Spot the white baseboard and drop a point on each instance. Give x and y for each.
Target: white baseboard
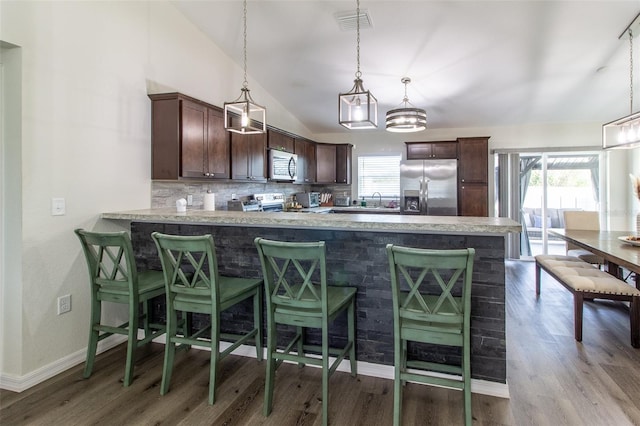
(21, 383)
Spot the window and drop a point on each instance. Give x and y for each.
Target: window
(379, 174)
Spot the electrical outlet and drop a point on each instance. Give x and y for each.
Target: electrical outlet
(64, 304)
(189, 200)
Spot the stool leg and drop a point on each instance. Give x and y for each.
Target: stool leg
(325, 375)
(257, 322)
(94, 333)
(132, 343)
(169, 349)
(397, 382)
(271, 364)
(537, 279)
(352, 337)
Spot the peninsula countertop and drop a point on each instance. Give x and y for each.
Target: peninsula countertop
(462, 225)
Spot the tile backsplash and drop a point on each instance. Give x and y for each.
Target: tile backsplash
(165, 193)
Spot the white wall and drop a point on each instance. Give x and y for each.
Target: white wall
(86, 70)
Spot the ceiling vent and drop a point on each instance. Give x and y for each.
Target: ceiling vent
(347, 20)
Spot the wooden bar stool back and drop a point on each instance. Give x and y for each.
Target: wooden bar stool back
(193, 285)
(295, 278)
(113, 277)
(431, 291)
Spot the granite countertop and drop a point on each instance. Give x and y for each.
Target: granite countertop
(348, 222)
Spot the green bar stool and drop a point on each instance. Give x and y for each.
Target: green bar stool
(294, 299)
(113, 277)
(431, 292)
(193, 285)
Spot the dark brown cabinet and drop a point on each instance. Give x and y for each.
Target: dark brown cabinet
(325, 163)
(333, 163)
(431, 150)
(248, 157)
(280, 141)
(188, 139)
(343, 163)
(306, 151)
(473, 176)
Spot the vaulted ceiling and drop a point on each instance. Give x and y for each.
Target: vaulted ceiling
(472, 63)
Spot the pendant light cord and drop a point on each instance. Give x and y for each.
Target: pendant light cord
(358, 73)
(630, 71)
(245, 84)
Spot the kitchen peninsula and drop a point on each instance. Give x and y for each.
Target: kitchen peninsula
(356, 256)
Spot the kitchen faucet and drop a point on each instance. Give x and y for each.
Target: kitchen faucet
(379, 198)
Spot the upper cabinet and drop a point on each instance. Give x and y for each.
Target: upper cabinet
(333, 163)
(431, 150)
(248, 157)
(343, 163)
(325, 163)
(188, 139)
(280, 141)
(306, 151)
(473, 176)
(474, 160)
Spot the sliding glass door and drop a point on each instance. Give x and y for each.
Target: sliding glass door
(546, 185)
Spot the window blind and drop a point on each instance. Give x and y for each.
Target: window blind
(380, 173)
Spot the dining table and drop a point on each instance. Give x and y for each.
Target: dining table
(616, 248)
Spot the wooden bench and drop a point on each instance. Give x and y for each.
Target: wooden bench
(585, 281)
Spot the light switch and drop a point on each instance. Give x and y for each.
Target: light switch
(58, 207)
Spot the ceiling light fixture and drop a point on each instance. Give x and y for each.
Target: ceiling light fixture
(244, 115)
(358, 108)
(407, 118)
(625, 132)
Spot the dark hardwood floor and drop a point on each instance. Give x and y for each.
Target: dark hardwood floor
(553, 380)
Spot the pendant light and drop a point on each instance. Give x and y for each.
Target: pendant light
(407, 118)
(244, 115)
(358, 108)
(625, 132)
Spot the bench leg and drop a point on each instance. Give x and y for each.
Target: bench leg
(634, 321)
(537, 279)
(578, 302)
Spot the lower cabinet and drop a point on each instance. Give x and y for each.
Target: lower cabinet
(473, 199)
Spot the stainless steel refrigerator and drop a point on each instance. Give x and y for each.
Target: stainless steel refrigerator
(429, 187)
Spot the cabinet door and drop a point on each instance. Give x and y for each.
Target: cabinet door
(257, 157)
(325, 163)
(306, 151)
(239, 157)
(442, 150)
(280, 141)
(218, 146)
(418, 150)
(474, 160)
(165, 143)
(248, 157)
(343, 163)
(194, 139)
(473, 200)
(431, 150)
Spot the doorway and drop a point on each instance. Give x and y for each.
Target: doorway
(541, 187)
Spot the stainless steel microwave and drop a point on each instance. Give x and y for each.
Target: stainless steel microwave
(282, 165)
